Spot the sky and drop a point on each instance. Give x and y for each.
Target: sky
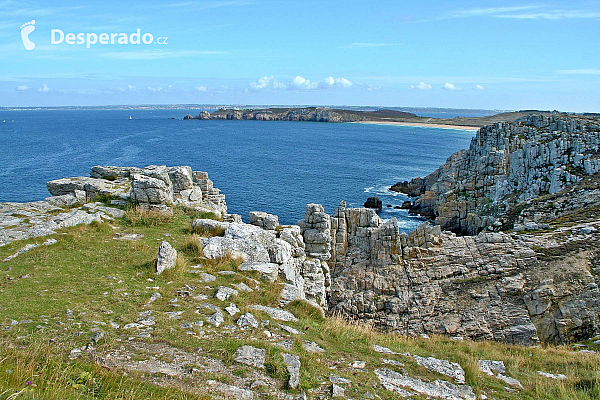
(504, 55)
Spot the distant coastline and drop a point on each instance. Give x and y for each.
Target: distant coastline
(381, 116)
(420, 125)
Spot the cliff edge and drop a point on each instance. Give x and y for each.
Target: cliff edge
(521, 175)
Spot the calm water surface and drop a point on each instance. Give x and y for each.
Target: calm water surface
(277, 167)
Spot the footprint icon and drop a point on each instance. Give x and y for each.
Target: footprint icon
(26, 29)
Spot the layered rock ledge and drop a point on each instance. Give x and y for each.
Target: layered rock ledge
(76, 200)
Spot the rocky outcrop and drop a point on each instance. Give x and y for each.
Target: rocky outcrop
(313, 114)
(74, 200)
(515, 288)
(507, 165)
(154, 186)
(491, 286)
(373, 202)
(273, 251)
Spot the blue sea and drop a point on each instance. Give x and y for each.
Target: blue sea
(277, 167)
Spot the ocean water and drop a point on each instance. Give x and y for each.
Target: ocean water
(277, 167)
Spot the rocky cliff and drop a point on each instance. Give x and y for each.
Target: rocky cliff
(515, 288)
(521, 289)
(507, 166)
(314, 114)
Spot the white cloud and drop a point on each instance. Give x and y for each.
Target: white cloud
(589, 71)
(554, 15)
(373, 87)
(201, 88)
(130, 88)
(44, 88)
(525, 12)
(449, 86)
(302, 83)
(476, 12)
(159, 89)
(266, 82)
(330, 82)
(479, 87)
(421, 86)
(22, 88)
(299, 83)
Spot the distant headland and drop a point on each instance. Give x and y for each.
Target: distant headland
(380, 116)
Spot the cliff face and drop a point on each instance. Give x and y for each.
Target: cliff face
(314, 114)
(517, 289)
(301, 114)
(507, 164)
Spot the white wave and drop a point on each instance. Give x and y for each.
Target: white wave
(384, 190)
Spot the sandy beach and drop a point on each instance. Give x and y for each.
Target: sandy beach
(420, 124)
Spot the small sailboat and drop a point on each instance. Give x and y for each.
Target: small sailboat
(130, 117)
(4, 121)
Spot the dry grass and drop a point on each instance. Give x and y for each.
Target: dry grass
(192, 248)
(36, 372)
(141, 216)
(208, 232)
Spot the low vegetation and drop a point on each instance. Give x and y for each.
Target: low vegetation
(54, 298)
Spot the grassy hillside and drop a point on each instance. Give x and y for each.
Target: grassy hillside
(54, 299)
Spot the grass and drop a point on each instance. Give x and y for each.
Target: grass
(35, 372)
(103, 280)
(208, 232)
(141, 216)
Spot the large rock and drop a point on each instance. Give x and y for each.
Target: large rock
(276, 313)
(167, 257)
(247, 250)
(112, 172)
(396, 382)
(249, 355)
(264, 220)
(293, 366)
(92, 187)
(149, 190)
(268, 271)
(373, 202)
(209, 225)
(181, 178)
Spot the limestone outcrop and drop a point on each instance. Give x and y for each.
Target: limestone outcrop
(491, 286)
(522, 287)
(154, 186)
(74, 201)
(507, 165)
(274, 250)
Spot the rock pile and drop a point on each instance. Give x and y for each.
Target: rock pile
(274, 250)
